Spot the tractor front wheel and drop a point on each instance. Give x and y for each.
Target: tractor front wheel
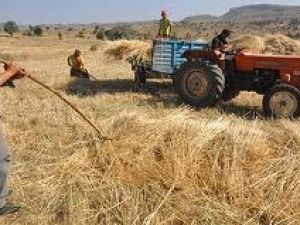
(200, 83)
(282, 101)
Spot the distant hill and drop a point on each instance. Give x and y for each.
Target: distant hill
(204, 17)
(260, 12)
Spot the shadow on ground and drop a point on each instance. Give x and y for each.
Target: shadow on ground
(86, 88)
(162, 93)
(245, 112)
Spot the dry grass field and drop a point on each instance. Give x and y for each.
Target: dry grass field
(166, 163)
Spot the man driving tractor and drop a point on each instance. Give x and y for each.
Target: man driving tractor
(76, 62)
(220, 42)
(165, 26)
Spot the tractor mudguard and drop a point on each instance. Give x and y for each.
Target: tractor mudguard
(215, 57)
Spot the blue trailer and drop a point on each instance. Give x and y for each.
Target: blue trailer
(166, 59)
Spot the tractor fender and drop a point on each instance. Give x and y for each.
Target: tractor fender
(212, 56)
(215, 57)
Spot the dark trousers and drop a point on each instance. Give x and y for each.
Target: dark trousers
(79, 73)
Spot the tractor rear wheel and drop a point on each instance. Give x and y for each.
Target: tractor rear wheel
(200, 83)
(282, 101)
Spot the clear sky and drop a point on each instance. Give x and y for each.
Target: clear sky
(102, 11)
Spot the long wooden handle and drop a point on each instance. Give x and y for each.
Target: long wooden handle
(99, 132)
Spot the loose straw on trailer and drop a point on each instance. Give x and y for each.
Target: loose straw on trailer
(99, 132)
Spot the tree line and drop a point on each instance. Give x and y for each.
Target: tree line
(11, 27)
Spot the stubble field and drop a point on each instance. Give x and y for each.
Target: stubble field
(165, 163)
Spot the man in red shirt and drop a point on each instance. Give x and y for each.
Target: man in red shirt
(11, 72)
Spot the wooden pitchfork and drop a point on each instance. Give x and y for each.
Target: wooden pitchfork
(98, 130)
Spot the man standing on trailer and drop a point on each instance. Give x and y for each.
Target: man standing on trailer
(165, 26)
(12, 71)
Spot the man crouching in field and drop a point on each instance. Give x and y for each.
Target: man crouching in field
(76, 62)
(12, 71)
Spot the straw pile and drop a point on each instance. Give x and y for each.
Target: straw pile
(269, 44)
(281, 45)
(178, 169)
(126, 49)
(249, 42)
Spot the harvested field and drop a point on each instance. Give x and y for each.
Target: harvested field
(166, 163)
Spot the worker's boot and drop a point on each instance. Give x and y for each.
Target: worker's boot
(10, 84)
(9, 209)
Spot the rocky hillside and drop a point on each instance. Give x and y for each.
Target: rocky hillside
(261, 12)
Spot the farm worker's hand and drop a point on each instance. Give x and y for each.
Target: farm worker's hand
(14, 71)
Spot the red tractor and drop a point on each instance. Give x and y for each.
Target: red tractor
(208, 77)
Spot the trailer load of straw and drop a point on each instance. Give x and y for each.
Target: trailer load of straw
(126, 49)
(269, 44)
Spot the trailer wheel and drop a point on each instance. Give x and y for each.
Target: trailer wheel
(282, 101)
(200, 83)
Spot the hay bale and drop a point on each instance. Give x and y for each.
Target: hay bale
(125, 49)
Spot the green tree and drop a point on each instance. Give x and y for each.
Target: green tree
(122, 32)
(11, 27)
(38, 30)
(96, 29)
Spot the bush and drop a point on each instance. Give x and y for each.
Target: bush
(11, 27)
(38, 30)
(27, 33)
(60, 36)
(80, 34)
(121, 32)
(100, 35)
(93, 47)
(6, 56)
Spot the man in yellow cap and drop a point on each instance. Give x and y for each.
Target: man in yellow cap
(76, 62)
(165, 26)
